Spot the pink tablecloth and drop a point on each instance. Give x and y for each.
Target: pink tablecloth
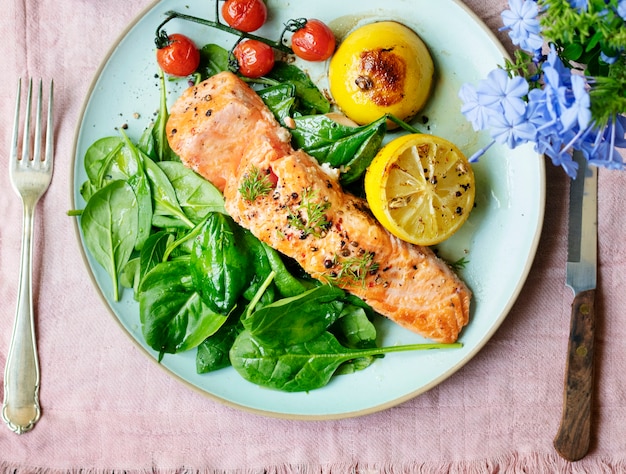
(106, 407)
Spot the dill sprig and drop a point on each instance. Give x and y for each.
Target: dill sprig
(353, 270)
(254, 184)
(310, 216)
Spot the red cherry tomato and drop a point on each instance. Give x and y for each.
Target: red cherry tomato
(245, 15)
(255, 58)
(179, 57)
(313, 42)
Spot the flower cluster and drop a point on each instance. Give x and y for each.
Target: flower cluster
(566, 88)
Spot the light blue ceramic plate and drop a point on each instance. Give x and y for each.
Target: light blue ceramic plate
(499, 239)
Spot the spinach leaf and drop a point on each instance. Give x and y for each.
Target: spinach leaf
(219, 263)
(196, 196)
(213, 59)
(297, 319)
(261, 268)
(354, 329)
(173, 316)
(153, 141)
(98, 158)
(139, 182)
(280, 99)
(287, 284)
(153, 252)
(302, 367)
(116, 158)
(167, 210)
(109, 224)
(213, 352)
(129, 276)
(309, 98)
(341, 146)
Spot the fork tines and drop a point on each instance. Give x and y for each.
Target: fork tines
(38, 132)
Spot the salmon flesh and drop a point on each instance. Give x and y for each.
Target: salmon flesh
(221, 129)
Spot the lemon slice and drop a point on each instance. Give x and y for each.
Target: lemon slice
(421, 188)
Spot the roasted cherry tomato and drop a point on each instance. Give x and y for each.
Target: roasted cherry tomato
(314, 41)
(245, 15)
(179, 56)
(255, 58)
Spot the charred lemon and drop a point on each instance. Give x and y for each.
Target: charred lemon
(421, 188)
(381, 68)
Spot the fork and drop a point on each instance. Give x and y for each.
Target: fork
(30, 177)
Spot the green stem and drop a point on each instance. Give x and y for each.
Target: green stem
(220, 26)
(257, 296)
(402, 124)
(407, 347)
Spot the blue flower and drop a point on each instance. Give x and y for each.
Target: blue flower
(546, 101)
(476, 113)
(621, 9)
(513, 132)
(522, 19)
(579, 113)
(607, 59)
(580, 5)
(554, 61)
(500, 91)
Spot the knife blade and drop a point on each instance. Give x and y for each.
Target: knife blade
(573, 436)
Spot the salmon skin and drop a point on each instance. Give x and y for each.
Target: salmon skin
(302, 211)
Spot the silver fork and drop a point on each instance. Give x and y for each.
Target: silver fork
(30, 177)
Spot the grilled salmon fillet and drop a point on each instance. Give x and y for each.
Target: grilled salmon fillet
(304, 213)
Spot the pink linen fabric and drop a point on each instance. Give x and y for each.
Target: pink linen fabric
(107, 408)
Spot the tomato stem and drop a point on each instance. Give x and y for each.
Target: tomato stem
(220, 26)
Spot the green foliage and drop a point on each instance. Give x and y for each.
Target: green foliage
(580, 38)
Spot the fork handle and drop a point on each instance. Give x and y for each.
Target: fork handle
(20, 409)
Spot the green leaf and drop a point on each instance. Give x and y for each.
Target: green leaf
(153, 252)
(354, 328)
(213, 60)
(296, 319)
(302, 367)
(287, 284)
(280, 99)
(572, 52)
(154, 141)
(98, 159)
(341, 146)
(166, 203)
(213, 352)
(173, 316)
(196, 196)
(220, 264)
(309, 98)
(109, 224)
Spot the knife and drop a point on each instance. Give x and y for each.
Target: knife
(572, 438)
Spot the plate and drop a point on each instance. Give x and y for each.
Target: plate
(499, 240)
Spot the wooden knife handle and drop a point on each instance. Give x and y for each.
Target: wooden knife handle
(572, 438)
